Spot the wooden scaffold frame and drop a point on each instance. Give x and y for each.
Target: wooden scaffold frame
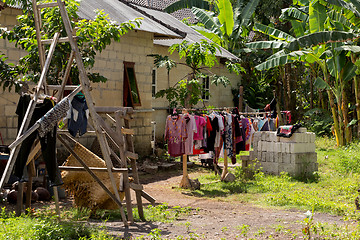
(121, 137)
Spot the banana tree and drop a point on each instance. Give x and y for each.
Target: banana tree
(225, 25)
(306, 49)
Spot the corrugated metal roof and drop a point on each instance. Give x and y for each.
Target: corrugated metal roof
(192, 35)
(121, 12)
(162, 4)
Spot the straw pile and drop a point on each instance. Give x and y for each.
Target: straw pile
(87, 192)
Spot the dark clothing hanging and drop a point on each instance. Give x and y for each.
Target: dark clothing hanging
(48, 142)
(212, 134)
(78, 120)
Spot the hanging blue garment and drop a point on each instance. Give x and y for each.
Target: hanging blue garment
(78, 116)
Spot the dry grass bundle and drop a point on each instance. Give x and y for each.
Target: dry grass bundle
(87, 192)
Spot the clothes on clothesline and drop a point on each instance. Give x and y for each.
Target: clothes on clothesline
(78, 115)
(194, 134)
(47, 142)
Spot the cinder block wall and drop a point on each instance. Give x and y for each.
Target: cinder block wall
(295, 155)
(133, 47)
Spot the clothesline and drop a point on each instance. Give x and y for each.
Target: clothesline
(202, 109)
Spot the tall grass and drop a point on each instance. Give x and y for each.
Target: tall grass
(45, 227)
(334, 189)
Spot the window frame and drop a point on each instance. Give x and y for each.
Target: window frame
(153, 82)
(205, 81)
(127, 85)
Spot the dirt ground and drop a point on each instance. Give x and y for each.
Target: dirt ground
(211, 218)
(216, 219)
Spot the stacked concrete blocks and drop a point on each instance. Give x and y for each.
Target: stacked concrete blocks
(295, 155)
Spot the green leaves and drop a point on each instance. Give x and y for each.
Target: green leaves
(273, 32)
(226, 16)
(319, 83)
(163, 61)
(197, 54)
(317, 17)
(93, 37)
(199, 57)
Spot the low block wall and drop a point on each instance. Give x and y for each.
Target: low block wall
(295, 155)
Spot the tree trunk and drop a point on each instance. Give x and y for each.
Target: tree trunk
(345, 116)
(287, 86)
(312, 77)
(188, 95)
(338, 137)
(278, 95)
(357, 97)
(321, 100)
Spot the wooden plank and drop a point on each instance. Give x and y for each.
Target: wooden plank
(148, 197)
(122, 148)
(47, 5)
(128, 197)
(130, 148)
(37, 21)
(42, 79)
(121, 184)
(107, 109)
(112, 120)
(105, 149)
(66, 75)
(33, 152)
(61, 40)
(58, 87)
(117, 158)
(101, 123)
(95, 169)
(136, 187)
(127, 131)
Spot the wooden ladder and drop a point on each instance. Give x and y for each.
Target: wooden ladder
(102, 129)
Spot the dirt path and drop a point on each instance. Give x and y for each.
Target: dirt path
(217, 219)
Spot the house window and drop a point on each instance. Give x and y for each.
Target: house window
(131, 90)
(206, 88)
(153, 83)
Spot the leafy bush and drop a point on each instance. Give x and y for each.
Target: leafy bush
(319, 121)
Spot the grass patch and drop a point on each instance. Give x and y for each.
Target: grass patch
(46, 227)
(333, 190)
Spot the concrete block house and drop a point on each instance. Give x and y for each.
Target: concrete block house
(157, 32)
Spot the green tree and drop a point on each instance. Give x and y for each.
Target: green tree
(92, 37)
(224, 24)
(200, 58)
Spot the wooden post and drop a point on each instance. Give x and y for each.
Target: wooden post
(19, 203)
(225, 170)
(129, 146)
(241, 98)
(185, 181)
(56, 196)
(31, 173)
